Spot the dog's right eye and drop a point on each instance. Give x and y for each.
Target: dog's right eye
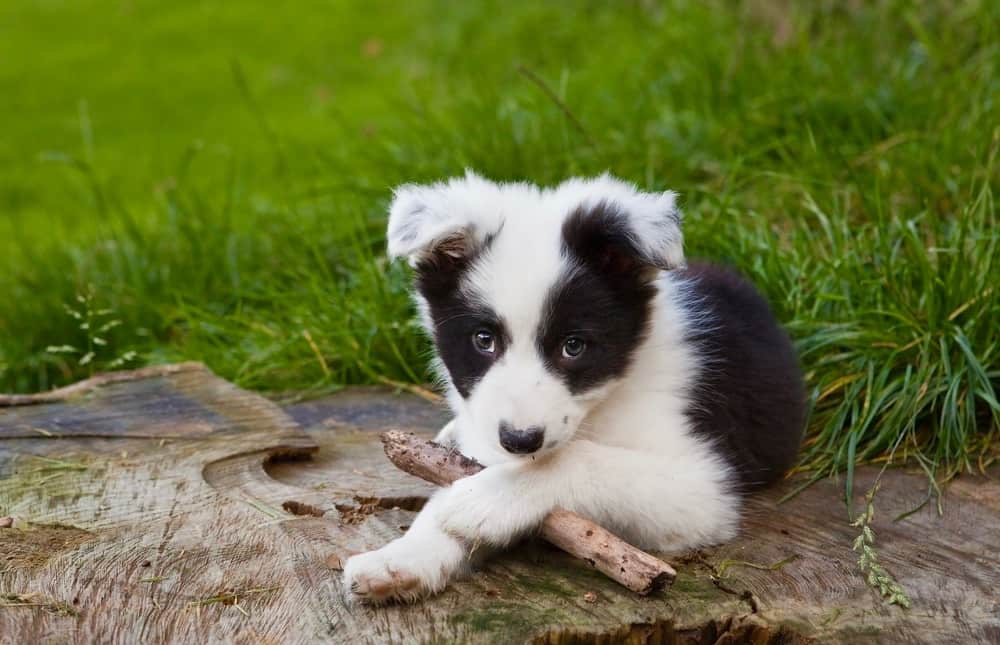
(484, 341)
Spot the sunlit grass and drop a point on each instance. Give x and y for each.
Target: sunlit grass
(217, 178)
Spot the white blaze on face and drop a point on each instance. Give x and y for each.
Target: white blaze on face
(514, 278)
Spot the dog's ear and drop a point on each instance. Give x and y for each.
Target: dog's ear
(449, 219)
(620, 229)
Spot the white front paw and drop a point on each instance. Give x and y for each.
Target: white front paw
(447, 436)
(406, 569)
(493, 506)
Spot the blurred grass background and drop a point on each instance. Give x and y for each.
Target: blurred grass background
(208, 180)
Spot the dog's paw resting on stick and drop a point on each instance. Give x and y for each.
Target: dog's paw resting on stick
(576, 535)
(589, 369)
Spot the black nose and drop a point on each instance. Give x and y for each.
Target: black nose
(521, 442)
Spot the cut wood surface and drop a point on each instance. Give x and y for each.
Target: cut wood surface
(170, 506)
(628, 566)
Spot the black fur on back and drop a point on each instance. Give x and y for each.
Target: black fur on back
(749, 399)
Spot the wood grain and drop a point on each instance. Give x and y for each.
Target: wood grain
(154, 510)
(92, 383)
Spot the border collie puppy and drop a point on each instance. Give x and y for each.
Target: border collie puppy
(589, 368)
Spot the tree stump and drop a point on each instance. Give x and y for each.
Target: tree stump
(167, 505)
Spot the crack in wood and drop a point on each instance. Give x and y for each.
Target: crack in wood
(366, 506)
(301, 508)
(737, 628)
(698, 558)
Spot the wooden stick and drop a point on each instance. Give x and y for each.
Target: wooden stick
(576, 535)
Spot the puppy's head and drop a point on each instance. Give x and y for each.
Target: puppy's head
(536, 299)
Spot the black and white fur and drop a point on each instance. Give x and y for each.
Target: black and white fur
(589, 368)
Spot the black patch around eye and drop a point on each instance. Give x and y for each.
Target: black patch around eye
(610, 316)
(457, 317)
(603, 298)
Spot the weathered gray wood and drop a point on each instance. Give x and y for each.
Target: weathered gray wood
(154, 510)
(949, 564)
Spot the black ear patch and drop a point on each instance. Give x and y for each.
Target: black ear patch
(439, 272)
(600, 238)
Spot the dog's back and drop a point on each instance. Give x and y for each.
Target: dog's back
(748, 399)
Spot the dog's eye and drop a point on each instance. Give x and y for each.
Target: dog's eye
(484, 341)
(573, 347)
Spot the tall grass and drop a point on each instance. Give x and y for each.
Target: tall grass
(842, 155)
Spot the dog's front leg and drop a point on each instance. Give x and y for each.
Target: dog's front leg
(491, 508)
(446, 436)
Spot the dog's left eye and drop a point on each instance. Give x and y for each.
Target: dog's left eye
(484, 341)
(573, 347)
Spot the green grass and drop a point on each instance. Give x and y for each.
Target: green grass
(214, 176)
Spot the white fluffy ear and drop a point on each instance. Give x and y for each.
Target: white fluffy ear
(452, 217)
(653, 220)
(656, 221)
